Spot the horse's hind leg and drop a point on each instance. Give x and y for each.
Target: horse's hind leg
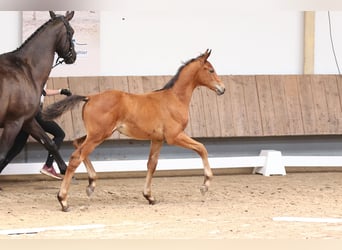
(74, 162)
(76, 158)
(151, 167)
(185, 141)
(91, 176)
(89, 166)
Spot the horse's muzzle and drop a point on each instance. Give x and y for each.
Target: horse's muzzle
(219, 90)
(70, 58)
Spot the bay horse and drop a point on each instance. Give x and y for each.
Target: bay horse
(23, 74)
(158, 116)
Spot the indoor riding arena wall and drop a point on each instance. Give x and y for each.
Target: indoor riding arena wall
(298, 115)
(252, 106)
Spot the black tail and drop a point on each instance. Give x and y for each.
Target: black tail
(56, 109)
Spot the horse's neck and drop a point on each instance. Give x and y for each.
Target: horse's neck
(185, 85)
(39, 53)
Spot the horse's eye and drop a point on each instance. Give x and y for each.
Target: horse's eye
(211, 70)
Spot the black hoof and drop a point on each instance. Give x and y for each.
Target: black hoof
(150, 201)
(203, 189)
(65, 208)
(90, 191)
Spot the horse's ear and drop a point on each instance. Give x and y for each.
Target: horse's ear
(52, 14)
(207, 54)
(69, 15)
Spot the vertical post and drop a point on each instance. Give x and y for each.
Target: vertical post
(309, 42)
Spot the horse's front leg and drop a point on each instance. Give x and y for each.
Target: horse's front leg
(89, 166)
(7, 138)
(185, 141)
(151, 167)
(18, 145)
(39, 134)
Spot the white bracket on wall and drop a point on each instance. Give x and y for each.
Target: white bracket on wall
(273, 164)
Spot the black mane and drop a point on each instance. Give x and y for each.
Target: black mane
(173, 80)
(33, 34)
(37, 31)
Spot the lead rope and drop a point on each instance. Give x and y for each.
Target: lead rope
(59, 60)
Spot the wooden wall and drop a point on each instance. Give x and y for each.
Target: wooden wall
(256, 105)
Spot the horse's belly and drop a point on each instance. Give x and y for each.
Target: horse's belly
(141, 133)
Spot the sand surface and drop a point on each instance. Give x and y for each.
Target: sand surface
(236, 207)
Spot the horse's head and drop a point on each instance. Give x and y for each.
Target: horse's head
(207, 76)
(65, 46)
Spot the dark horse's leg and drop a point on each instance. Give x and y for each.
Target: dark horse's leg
(11, 129)
(18, 145)
(39, 134)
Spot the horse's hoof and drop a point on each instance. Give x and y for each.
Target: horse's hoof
(151, 201)
(65, 208)
(90, 191)
(203, 189)
(74, 181)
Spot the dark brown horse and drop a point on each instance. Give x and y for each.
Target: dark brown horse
(23, 74)
(157, 116)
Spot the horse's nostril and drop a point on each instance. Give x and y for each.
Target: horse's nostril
(220, 90)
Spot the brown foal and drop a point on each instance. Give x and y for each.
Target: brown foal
(158, 116)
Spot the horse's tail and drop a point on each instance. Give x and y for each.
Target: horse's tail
(56, 109)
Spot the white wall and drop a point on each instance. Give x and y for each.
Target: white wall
(243, 42)
(147, 40)
(10, 26)
(324, 57)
